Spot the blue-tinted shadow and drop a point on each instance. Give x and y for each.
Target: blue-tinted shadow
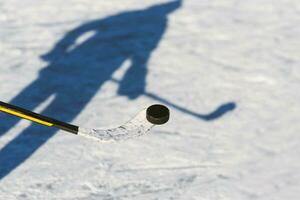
(217, 113)
(79, 64)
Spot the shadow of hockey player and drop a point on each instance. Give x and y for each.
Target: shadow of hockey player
(79, 64)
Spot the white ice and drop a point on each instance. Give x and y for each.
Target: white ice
(212, 52)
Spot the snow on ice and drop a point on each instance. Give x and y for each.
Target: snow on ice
(228, 70)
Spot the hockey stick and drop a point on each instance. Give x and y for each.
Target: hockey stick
(139, 125)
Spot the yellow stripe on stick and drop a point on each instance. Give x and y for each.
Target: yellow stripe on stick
(16, 113)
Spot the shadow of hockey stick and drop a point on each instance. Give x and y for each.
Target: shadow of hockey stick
(217, 113)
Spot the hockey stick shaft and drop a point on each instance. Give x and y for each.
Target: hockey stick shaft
(37, 118)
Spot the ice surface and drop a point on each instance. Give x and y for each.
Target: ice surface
(211, 53)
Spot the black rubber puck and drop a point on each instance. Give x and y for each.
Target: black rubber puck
(158, 114)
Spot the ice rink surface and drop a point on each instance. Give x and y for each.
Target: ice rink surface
(199, 58)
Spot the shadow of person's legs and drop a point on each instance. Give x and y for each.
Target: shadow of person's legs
(25, 144)
(29, 98)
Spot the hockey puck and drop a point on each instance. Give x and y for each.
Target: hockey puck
(157, 114)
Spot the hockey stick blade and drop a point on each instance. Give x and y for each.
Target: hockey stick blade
(139, 125)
